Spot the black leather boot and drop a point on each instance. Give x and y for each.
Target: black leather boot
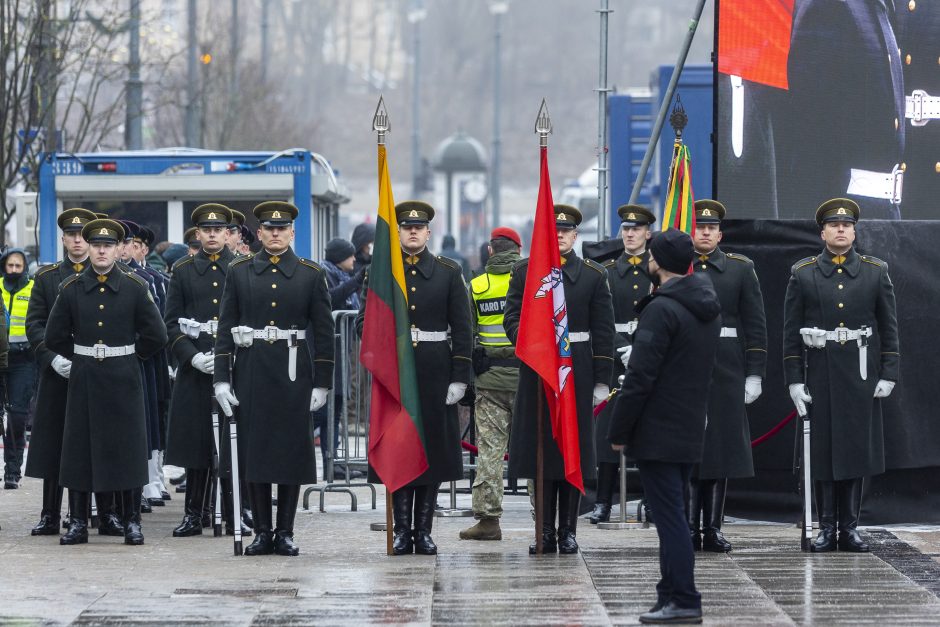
(132, 499)
(694, 513)
(208, 505)
(51, 509)
(402, 504)
(713, 512)
(287, 498)
(228, 509)
(549, 509)
(192, 504)
(850, 504)
(109, 522)
(425, 500)
(260, 497)
(606, 478)
(569, 501)
(826, 512)
(78, 520)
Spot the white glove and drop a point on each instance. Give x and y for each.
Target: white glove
(62, 366)
(243, 336)
(204, 362)
(225, 398)
(800, 396)
(884, 388)
(625, 352)
(172, 372)
(601, 392)
(752, 389)
(317, 398)
(814, 337)
(455, 392)
(189, 327)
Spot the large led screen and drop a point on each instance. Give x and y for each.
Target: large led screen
(828, 98)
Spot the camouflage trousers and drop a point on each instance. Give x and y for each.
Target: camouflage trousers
(493, 415)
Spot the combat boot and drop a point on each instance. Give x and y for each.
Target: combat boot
(850, 502)
(260, 495)
(192, 504)
(826, 511)
(109, 523)
(78, 522)
(51, 509)
(425, 500)
(549, 509)
(485, 529)
(402, 537)
(713, 512)
(569, 501)
(133, 534)
(287, 497)
(606, 477)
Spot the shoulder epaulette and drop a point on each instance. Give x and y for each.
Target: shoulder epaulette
(70, 280)
(143, 283)
(590, 263)
(448, 262)
(182, 262)
(235, 262)
(873, 261)
(310, 264)
(48, 268)
(610, 263)
(802, 263)
(738, 257)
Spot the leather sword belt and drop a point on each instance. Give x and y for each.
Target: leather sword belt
(920, 107)
(729, 332)
(579, 336)
(102, 351)
(881, 185)
(417, 335)
(626, 327)
(272, 334)
(192, 328)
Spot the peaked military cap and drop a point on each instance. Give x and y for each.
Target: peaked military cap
(147, 236)
(103, 230)
(635, 215)
(567, 217)
(211, 214)
(275, 213)
(837, 210)
(708, 211)
(237, 221)
(75, 219)
(103, 216)
(131, 229)
(414, 212)
(190, 239)
(248, 238)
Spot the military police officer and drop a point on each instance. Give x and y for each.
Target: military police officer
(629, 280)
(840, 305)
(270, 302)
(591, 333)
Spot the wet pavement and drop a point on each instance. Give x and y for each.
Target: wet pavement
(344, 577)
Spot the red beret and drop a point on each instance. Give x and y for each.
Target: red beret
(508, 233)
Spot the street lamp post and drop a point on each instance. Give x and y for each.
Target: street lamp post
(415, 16)
(497, 9)
(133, 134)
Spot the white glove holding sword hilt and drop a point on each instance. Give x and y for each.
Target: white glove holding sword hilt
(752, 389)
(625, 352)
(62, 366)
(318, 398)
(799, 394)
(204, 362)
(225, 398)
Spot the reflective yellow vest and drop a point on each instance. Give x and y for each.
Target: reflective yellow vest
(489, 302)
(16, 305)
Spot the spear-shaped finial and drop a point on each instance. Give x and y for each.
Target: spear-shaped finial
(679, 118)
(380, 122)
(543, 124)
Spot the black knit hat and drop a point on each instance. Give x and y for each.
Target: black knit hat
(338, 249)
(672, 250)
(363, 234)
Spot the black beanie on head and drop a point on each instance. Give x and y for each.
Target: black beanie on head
(363, 234)
(673, 251)
(338, 249)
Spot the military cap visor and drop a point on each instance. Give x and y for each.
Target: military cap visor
(237, 221)
(275, 213)
(75, 219)
(709, 211)
(635, 215)
(567, 217)
(103, 230)
(189, 237)
(837, 210)
(414, 213)
(131, 229)
(211, 214)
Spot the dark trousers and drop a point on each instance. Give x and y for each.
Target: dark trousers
(666, 486)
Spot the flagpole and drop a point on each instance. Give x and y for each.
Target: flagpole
(381, 126)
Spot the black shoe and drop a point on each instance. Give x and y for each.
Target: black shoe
(109, 525)
(145, 506)
(600, 514)
(713, 541)
(48, 526)
(825, 542)
(9, 482)
(567, 543)
(155, 502)
(77, 533)
(165, 495)
(133, 534)
(672, 614)
(229, 531)
(549, 544)
(263, 544)
(178, 480)
(191, 526)
(851, 542)
(424, 545)
(403, 543)
(284, 543)
(181, 488)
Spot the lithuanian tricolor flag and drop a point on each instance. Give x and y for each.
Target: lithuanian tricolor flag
(397, 451)
(678, 211)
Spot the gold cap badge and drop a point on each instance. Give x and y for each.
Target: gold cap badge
(561, 217)
(631, 216)
(212, 216)
(413, 214)
(706, 212)
(276, 215)
(841, 212)
(103, 231)
(76, 220)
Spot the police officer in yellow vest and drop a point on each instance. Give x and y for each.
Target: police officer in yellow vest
(497, 376)
(15, 289)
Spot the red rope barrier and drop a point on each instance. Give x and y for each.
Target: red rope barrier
(775, 430)
(475, 451)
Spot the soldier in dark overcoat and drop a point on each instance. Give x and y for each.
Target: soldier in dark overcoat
(629, 279)
(192, 318)
(591, 333)
(45, 444)
(105, 321)
(736, 378)
(840, 305)
(438, 302)
(273, 305)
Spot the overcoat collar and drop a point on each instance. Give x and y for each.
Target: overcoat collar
(424, 264)
(827, 262)
(286, 262)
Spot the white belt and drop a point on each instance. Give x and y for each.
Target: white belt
(579, 336)
(883, 185)
(920, 107)
(192, 328)
(417, 335)
(729, 332)
(626, 327)
(272, 334)
(101, 351)
(844, 335)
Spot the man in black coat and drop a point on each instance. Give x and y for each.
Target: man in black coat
(591, 333)
(192, 315)
(45, 445)
(271, 301)
(105, 321)
(841, 306)
(736, 378)
(659, 413)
